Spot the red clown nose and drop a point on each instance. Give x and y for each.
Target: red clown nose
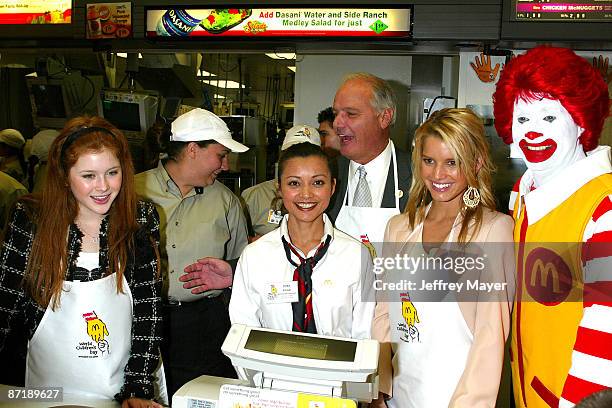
(533, 135)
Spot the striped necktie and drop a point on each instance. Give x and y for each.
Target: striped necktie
(362, 197)
(303, 318)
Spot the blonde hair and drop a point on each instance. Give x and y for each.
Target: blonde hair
(463, 133)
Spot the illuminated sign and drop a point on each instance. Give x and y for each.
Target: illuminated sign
(276, 22)
(577, 10)
(35, 12)
(109, 20)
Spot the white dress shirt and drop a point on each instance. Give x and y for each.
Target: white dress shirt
(376, 176)
(342, 285)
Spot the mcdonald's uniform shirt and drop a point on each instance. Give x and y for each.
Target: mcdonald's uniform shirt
(258, 200)
(10, 191)
(562, 351)
(342, 285)
(12, 167)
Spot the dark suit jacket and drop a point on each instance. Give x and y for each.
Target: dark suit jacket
(404, 179)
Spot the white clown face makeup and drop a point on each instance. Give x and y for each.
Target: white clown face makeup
(546, 134)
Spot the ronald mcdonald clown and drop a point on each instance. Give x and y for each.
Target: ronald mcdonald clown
(552, 105)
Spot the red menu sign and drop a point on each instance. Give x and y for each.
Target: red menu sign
(109, 20)
(35, 11)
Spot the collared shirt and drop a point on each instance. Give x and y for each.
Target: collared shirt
(342, 293)
(258, 199)
(547, 197)
(376, 175)
(208, 221)
(12, 167)
(10, 191)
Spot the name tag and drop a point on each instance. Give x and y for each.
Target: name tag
(281, 292)
(275, 217)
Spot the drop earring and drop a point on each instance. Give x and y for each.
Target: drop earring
(471, 197)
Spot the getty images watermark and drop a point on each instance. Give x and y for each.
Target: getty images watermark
(442, 272)
(547, 273)
(413, 265)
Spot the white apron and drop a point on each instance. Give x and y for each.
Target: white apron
(368, 224)
(84, 345)
(429, 355)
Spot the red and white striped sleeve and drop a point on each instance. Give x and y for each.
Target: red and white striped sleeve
(591, 368)
(514, 195)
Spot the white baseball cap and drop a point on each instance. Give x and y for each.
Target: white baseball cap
(199, 124)
(12, 138)
(301, 134)
(41, 143)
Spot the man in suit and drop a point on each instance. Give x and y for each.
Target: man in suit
(373, 176)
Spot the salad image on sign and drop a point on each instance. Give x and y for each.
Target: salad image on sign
(221, 20)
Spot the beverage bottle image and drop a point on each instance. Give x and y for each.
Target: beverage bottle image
(179, 23)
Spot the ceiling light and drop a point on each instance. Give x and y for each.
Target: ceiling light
(291, 68)
(282, 55)
(217, 96)
(124, 55)
(203, 73)
(223, 83)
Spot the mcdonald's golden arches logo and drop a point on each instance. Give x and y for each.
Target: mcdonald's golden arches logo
(548, 278)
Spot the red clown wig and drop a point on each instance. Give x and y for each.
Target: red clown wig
(553, 73)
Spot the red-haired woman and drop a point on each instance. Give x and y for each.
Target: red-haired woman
(79, 269)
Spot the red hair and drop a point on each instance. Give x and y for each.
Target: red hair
(57, 208)
(558, 74)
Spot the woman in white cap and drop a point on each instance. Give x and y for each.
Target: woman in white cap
(305, 276)
(11, 154)
(258, 199)
(201, 219)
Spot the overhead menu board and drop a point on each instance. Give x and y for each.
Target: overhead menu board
(35, 11)
(279, 22)
(109, 20)
(559, 10)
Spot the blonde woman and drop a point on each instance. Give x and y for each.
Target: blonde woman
(446, 351)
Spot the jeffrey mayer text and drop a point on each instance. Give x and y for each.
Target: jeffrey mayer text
(440, 285)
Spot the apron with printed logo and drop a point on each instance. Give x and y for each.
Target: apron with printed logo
(84, 345)
(430, 342)
(367, 224)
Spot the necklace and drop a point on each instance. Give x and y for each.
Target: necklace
(93, 238)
